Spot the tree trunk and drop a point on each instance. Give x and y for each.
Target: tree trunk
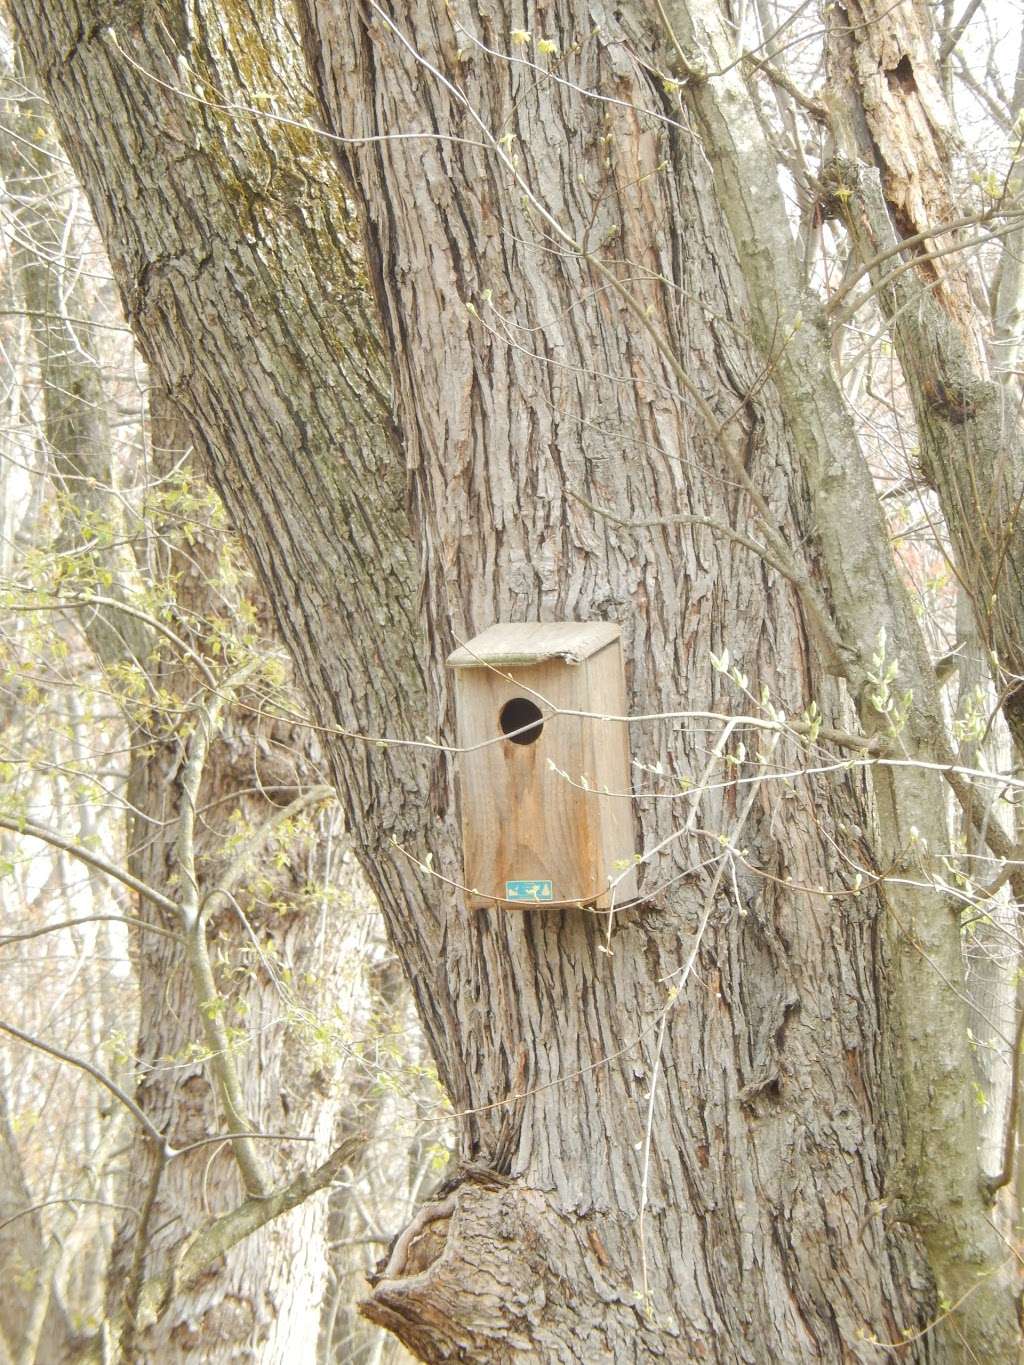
(743, 1171)
(22, 1254)
(991, 948)
(890, 113)
(504, 316)
(263, 1301)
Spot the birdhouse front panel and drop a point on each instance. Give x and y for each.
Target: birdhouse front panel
(546, 811)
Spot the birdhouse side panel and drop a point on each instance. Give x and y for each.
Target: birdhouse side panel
(612, 775)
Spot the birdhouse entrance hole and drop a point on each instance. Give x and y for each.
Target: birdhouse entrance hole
(516, 715)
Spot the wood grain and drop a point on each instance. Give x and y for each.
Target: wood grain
(557, 809)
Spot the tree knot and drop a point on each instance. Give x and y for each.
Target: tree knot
(956, 401)
(837, 183)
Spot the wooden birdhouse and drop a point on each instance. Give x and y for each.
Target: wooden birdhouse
(544, 771)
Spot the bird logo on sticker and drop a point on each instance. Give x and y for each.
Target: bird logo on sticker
(533, 891)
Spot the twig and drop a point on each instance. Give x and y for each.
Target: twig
(851, 309)
(691, 72)
(71, 1200)
(197, 955)
(998, 841)
(230, 1137)
(84, 855)
(778, 77)
(1012, 1114)
(1000, 114)
(957, 32)
(904, 244)
(6, 939)
(76, 603)
(689, 519)
(709, 902)
(133, 1288)
(259, 837)
(221, 1234)
(60, 317)
(90, 1070)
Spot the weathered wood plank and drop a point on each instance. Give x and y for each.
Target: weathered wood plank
(546, 816)
(523, 642)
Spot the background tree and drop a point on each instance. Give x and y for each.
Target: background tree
(227, 810)
(737, 1123)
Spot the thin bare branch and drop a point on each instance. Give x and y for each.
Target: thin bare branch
(222, 1060)
(94, 860)
(89, 1069)
(958, 29)
(6, 939)
(258, 839)
(690, 519)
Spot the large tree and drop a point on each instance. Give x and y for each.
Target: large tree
(737, 1123)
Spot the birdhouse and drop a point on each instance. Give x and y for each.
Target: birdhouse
(544, 767)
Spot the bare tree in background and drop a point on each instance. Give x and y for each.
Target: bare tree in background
(255, 914)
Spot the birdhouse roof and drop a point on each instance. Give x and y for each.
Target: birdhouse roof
(510, 644)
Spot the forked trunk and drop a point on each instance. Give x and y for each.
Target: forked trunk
(659, 1162)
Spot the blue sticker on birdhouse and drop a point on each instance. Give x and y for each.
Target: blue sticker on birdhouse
(529, 891)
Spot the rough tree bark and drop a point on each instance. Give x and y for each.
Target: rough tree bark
(811, 1178)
